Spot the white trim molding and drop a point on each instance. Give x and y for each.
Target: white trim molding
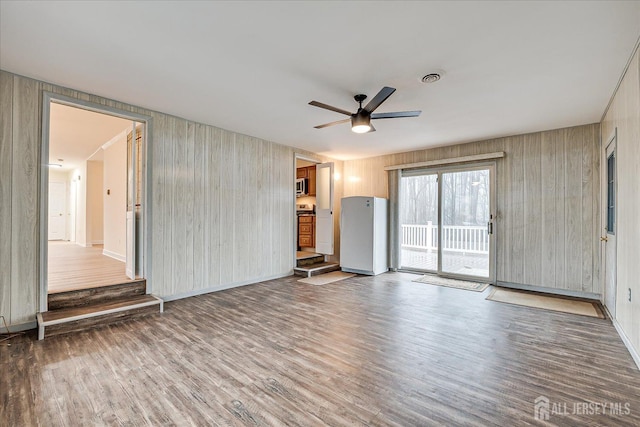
(627, 342)
(114, 255)
(463, 159)
(224, 287)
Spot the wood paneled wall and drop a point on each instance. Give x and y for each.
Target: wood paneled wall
(222, 203)
(548, 203)
(624, 115)
(19, 204)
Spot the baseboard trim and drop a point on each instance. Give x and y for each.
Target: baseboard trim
(563, 292)
(625, 339)
(98, 242)
(114, 255)
(20, 327)
(197, 292)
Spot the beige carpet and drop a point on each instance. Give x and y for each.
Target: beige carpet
(554, 303)
(452, 283)
(323, 279)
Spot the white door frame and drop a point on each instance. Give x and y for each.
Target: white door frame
(47, 99)
(613, 139)
(296, 157)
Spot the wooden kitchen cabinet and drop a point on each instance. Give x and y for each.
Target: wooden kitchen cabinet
(308, 172)
(307, 231)
(311, 175)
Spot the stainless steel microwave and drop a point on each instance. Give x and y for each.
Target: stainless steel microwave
(301, 187)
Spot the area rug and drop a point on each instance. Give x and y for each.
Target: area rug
(545, 302)
(323, 279)
(452, 283)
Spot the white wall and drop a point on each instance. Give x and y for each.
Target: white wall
(624, 115)
(115, 203)
(95, 209)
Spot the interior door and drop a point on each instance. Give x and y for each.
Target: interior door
(130, 268)
(610, 238)
(57, 218)
(324, 208)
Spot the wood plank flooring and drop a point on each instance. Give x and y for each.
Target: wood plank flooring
(72, 267)
(376, 351)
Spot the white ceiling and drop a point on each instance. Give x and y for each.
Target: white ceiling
(76, 134)
(252, 67)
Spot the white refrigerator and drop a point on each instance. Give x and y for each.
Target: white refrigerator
(364, 235)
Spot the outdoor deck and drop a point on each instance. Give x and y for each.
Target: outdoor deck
(453, 262)
(465, 249)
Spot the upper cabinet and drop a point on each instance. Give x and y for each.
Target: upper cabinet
(311, 174)
(308, 172)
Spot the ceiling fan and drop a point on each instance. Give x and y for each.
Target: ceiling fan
(361, 119)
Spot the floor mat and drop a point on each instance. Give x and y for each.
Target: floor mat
(452, 283)
(324, 279)
(554, 303)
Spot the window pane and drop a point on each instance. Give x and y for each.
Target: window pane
(611, 193)
(419, 222)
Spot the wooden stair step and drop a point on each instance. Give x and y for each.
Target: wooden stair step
(316, 269)
(310, 260)
(72, 319)
(89, 296)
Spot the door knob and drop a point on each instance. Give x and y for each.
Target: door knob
(604, 239)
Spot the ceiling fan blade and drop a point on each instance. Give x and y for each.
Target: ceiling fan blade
(395, 115)
(329, 107)
(332, 123)
(372, 128)
(384, 93)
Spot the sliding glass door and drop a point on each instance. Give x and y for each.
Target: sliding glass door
(419, 222)
(465, 231)
(446, 220)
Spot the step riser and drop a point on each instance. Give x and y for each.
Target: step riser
(309, 261)
(309, 271)
(324, 270)
(84, 297)
(99, 321)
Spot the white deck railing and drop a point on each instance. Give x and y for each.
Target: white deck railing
(471, 239)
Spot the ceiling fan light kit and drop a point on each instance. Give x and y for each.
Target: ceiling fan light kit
(361, 119)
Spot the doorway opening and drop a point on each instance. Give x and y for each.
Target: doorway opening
(446, 218)
(92, 192)
(305, 208)
(314, 229)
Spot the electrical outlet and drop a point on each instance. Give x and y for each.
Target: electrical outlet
(629, 294)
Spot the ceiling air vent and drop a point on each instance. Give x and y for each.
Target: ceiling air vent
(431, 78)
